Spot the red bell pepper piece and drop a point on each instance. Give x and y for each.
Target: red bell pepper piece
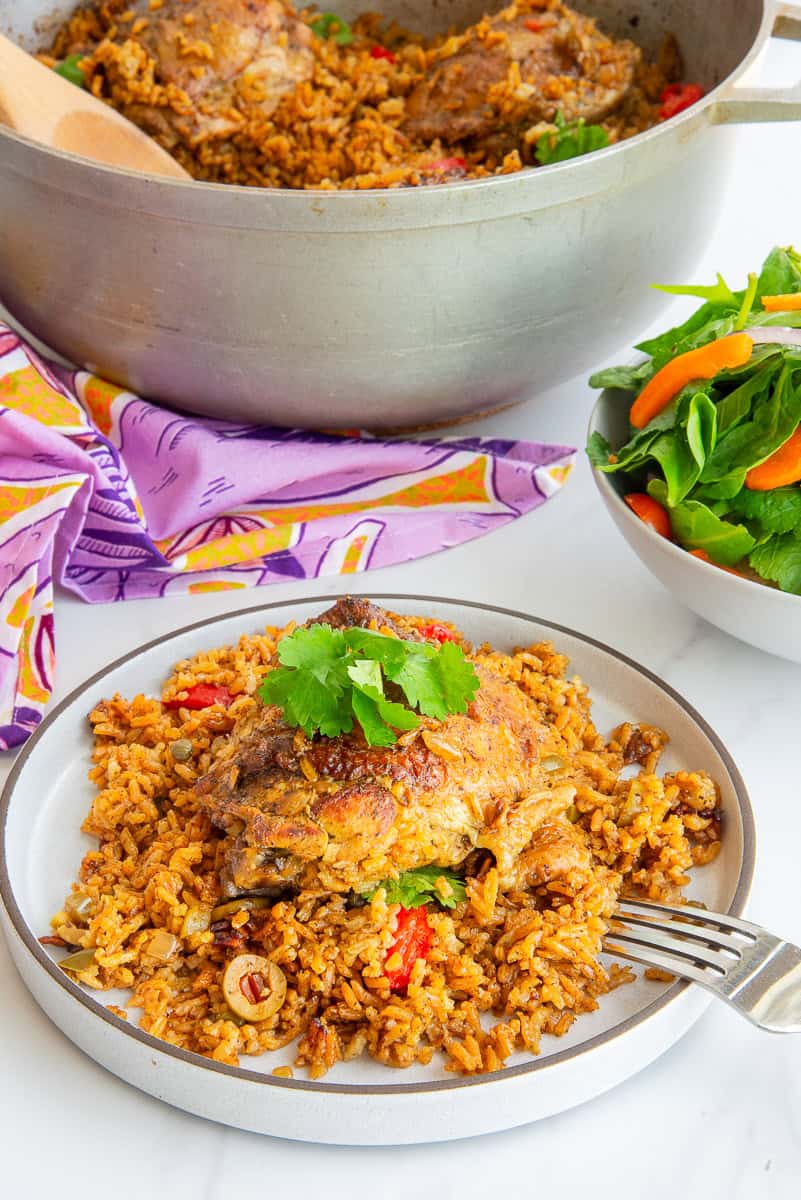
(457, 163)
(382, 52)
(413, 939)
(534, 25)
(202, 695)
(438, 633)
(678, 96)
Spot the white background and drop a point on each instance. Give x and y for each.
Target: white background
(720, 1114)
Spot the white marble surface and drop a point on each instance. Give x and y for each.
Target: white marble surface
(720, 1114)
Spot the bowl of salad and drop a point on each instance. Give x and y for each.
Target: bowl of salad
(696, 450)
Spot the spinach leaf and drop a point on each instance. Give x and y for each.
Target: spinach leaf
(777, 511)
(710, 322)
(779, 560)
(736, 406)
(720, 489)
(701, 427)
(678, 465)
(775, 415)
(627, 379)
(633, 455)
(698, 528)
(788, 320)
(780, 274)
(682, 451)
(598, 450)
(719, 292)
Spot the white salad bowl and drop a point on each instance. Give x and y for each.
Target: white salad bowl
(756, 613)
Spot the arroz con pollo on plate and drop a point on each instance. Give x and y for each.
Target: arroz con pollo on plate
(402, 884)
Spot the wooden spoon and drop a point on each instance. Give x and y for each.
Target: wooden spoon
(40, 104)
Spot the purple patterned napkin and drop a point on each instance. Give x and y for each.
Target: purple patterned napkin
(117, 498)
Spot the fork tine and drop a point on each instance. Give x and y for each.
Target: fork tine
(698, 933)
(687, 911)
(671, 944)
(653, 958)
(760, 979)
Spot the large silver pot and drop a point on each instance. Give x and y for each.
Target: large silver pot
(380, 308)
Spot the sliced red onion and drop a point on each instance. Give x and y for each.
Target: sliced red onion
(782, 335)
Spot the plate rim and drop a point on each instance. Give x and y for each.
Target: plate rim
(244, 1074)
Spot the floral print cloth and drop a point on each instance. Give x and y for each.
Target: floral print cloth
(117, 498)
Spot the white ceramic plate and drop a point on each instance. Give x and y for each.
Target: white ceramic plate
(360, 1102)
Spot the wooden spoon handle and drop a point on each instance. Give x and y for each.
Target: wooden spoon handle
(38, 103)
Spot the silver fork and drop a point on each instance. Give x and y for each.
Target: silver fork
(749, 968)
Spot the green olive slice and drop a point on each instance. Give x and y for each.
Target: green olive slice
(80, 961)
(254, 987)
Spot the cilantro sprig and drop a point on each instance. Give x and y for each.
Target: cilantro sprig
(329, 25)
(69, 68)
(415, 888)
(330, 677)
(569, 140)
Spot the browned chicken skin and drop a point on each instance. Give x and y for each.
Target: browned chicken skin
(215, 50)
(339, 814)
(454, 102)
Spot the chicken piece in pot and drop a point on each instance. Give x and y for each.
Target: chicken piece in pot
(339, 814)
(518, 69)
(214, 52)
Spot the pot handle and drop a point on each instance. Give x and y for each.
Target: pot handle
(749, 105)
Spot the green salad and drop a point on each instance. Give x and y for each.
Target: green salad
(713, 458)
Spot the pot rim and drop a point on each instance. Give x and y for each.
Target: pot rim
(490, 198)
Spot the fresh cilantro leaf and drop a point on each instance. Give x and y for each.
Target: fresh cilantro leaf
(314, 647)
(375, 729)
(414, 888)
(421, 686)
(379, 648)
(329, 676)
(308, 702)
(365, 674)
(70, 70)
(569, 140)
(457, 676)
(329, 25)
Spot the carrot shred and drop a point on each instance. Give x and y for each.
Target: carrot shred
(704, 557)
(783, 467)
(651, 512)
(703, 363)
(787, 303)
